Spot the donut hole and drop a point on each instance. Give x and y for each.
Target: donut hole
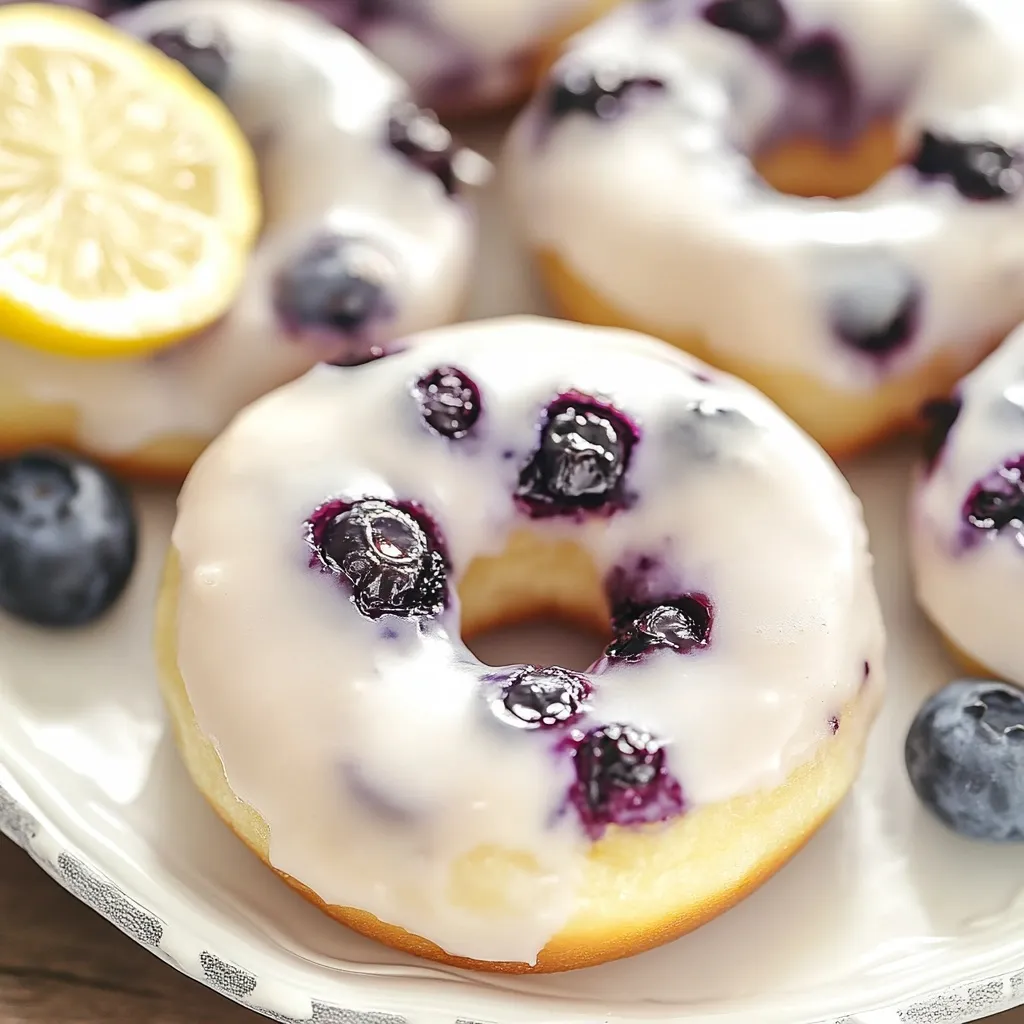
(540, 601)
(808, 167)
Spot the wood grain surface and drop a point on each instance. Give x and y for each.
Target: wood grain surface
(62, 964)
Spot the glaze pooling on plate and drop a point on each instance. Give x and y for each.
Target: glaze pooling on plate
(967, 514)
(633, 167)
(363, 240)
(760, 619)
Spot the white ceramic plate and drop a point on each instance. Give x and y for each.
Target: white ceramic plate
(885, 917)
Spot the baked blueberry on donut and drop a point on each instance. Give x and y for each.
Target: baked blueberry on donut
(338, 291)
(581, 459)
(449, 401)
(786, 136)
(357, 231)
(978, 170)
(339, 540)
(539, 697)
(601, 93)
(967, 515)
(383, 554)
(200, 47)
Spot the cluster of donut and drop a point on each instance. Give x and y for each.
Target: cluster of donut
(345, 532)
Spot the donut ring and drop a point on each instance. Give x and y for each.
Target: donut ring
(367, 237)
(634, 179)
(334, 544)
(967, 515)
(458, 57)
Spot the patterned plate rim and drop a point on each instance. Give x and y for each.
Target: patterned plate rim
(954, 1004)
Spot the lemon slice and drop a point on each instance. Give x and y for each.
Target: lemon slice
(129, 197)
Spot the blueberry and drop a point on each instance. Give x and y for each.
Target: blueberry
(600, 93)
(390, 563)
(200, 48)
(449, 401)
(979, 170)
(681, 626)
(537, 697)
(877, 310)
(424, 142)
(761, 21)
(997, 500)
(939, 416)
(621, 779)
(338, 288)
(583, 455)
(965, 757)
(68, 539)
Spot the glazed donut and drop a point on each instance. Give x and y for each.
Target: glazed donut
(967, 515)
(366, 238)
(634, 175)
(459, 56)
(336, 543)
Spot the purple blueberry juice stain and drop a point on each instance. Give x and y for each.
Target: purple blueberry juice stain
(387, 555)
(449, 402)
(580, 463)
(939, 416)
(995, 504)
(979, 170)
(622, 779)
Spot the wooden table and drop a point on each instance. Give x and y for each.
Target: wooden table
(62, 964)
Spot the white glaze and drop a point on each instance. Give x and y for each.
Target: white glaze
(659, 213)
(315, 105)
(973, 591)
(486, 46)
(291, 682)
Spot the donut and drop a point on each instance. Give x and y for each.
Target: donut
(368, 235)
(335, 546)
(967, 514)
(459, 56)
(638, 175)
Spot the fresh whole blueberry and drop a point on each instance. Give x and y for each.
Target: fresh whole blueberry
(979, 170)
(200, 48)
(449, 401)
(541, 697)
(582, 457)
(965, 757)
(600, 93)
(681, 625)
(939, 416)
(337, 288)
(68, 539)
(997, 500)
(761, 21)
(621, 779)
(424, 142)
(388, 560)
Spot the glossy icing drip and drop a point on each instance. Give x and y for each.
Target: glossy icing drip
(406, 777)
(967, 519)
(361, 243)
(660, 211)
